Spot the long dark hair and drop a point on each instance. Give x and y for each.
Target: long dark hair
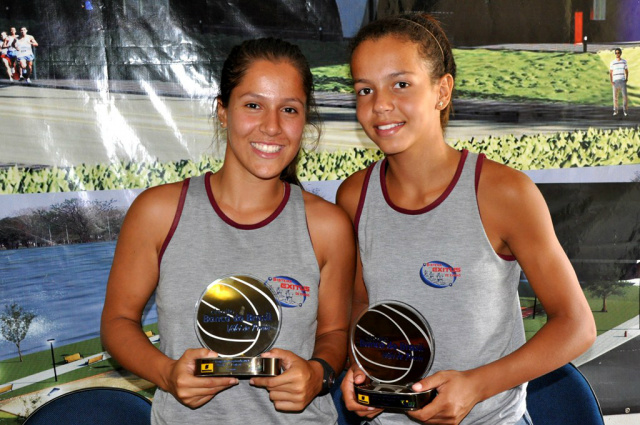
(274, 50)
(423, 30)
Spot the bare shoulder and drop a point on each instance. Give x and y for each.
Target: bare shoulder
(349, 191)
(330, 230)
(152, 212)
(322, 213)
(157, 200)
(511, 206)
(503, 185)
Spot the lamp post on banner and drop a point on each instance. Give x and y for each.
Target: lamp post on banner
(53, 358)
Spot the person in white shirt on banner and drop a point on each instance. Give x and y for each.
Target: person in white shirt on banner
(24, 45)
(619, 75)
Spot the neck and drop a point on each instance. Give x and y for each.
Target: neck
(246, 199)
(415, 179)
(245, 192)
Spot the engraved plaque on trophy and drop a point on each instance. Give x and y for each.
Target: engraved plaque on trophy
(393, 344)
(238, 317)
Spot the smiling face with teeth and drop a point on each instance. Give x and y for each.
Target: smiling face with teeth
(397, 100)
(265, 119)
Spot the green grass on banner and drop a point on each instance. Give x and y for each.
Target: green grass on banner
(565, 77)
(620, 309)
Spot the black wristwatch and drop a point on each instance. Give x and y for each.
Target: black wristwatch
(328, 377)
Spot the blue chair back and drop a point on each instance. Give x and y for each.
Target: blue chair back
(94, 406)
(345, 417)
(563, 396)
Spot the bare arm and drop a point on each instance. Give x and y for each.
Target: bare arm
(517, 221)
(348, 197)
(133, 278)
(527, 232)
(333, 244)
(334, 240)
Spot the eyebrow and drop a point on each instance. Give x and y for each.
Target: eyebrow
(391, 76)
(259, 96)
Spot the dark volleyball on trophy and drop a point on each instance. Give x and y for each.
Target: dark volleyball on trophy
(239, 318)
(393, 344)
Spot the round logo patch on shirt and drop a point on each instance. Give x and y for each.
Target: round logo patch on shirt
(288, 291)
(439, 274)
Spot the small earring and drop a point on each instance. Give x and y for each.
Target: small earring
(223, 124)
(440, 104)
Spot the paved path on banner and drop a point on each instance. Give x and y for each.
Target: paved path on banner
(54, 125)
(611, 339)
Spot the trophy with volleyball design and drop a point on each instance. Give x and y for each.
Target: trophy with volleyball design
(238, 317)
(393, 345)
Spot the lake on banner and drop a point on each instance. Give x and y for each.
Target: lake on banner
(64, 286)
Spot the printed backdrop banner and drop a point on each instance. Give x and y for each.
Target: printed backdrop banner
(118, 96)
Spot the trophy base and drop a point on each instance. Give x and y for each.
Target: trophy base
(392, 396)
(237, 366)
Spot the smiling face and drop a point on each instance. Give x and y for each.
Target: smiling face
(265, 118)
(397, 101)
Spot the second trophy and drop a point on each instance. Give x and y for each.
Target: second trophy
(393, 344)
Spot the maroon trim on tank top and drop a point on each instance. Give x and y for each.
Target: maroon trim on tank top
(479, 163)
(230, 222)
(438, 201)
(176, 220)
(363, 194)
(506, 257)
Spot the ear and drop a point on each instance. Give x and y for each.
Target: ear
(221, 112)
(445, 90)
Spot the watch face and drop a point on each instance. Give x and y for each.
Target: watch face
(393, 343)
(332, 379)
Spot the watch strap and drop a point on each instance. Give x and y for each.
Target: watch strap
(328, 376)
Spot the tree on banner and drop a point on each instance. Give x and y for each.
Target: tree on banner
(15, 323)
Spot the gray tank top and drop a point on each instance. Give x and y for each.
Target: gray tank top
(204, 245)
(439, 260)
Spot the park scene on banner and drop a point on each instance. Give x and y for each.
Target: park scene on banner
(118, 97)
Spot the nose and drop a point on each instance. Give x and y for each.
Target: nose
(382, 102)
(271, 123)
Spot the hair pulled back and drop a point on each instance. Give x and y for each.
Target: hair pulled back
(426, 32)
(243, 55)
